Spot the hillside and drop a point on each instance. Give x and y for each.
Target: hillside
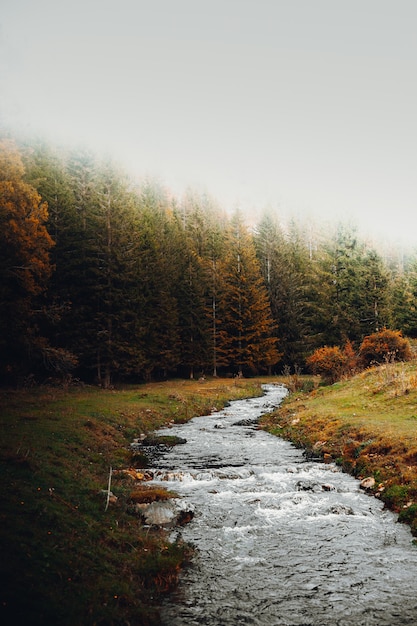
(368, 425)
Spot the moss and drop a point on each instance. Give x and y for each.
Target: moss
(409, 515)
(396, 496)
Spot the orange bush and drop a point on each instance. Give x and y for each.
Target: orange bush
(385, 345)
(329, 362)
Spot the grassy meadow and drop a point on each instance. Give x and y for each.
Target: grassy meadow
(70, 557)
(65, 559)
(367, 424)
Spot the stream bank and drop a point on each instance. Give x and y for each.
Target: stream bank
(65, 558)
(367, 425)
(280, 539)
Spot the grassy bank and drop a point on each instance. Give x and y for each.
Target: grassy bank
(66, 559)
(368, 425)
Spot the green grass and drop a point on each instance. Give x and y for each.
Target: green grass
(367, 424)
(65, 559)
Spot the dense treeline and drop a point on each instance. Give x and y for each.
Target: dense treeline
(108, 280)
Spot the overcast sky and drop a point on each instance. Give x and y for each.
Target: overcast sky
(309, 106)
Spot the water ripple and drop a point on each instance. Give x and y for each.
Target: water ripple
(281, 541)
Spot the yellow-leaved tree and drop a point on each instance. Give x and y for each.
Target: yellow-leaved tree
(24, 261)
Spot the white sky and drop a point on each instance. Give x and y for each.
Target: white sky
(306, 105)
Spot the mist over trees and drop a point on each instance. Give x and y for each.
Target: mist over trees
(108, 280)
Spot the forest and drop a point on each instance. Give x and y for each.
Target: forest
(106, 279)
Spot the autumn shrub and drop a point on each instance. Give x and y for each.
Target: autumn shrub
(384, 346)
(351, 364)
(329, 362)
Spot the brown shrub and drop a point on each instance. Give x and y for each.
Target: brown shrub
(384, 346)
(329, 362)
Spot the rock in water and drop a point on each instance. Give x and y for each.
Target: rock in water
(367, 483)
(166, 514)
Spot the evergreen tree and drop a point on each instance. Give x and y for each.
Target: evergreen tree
(374, 286)
(94, 220)
(204, 228)
(404, 300)
(46, 171)
(358, 302)
(290, 270)
(117, 350)
(158, 268)
(248, 340)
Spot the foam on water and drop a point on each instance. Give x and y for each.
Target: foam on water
(280, 541)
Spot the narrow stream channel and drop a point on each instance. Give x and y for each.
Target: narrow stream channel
(280, 541)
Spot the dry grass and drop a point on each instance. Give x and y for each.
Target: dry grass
(367, 424)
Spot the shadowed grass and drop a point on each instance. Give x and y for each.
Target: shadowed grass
(66, 559)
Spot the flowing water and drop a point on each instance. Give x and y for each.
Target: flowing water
(280, 540)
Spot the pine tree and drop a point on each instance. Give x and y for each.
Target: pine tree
(158, 267)
(289, 268)
(116, 344)
(46, 171)
(92, 290)
(358, 302)
(403, 300)
(374, 304)
(204, 227)
(248, 328)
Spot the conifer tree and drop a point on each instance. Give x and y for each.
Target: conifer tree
(248, 340)
(116, 343)
(204, 227)
(157, 280)
(358, 284)
(91, 290)
(288, 266)
(403, 300)
(216, 293)
(374, 285)
(46, 171)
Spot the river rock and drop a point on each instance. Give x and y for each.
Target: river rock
(246, 422)
(367, 483)
(308, 485)
(165, 514)
(341, 509)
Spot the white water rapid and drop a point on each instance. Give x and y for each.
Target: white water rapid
(280, 541)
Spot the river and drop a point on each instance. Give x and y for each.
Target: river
(280, 541)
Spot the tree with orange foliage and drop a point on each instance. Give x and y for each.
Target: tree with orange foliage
(24, 260)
